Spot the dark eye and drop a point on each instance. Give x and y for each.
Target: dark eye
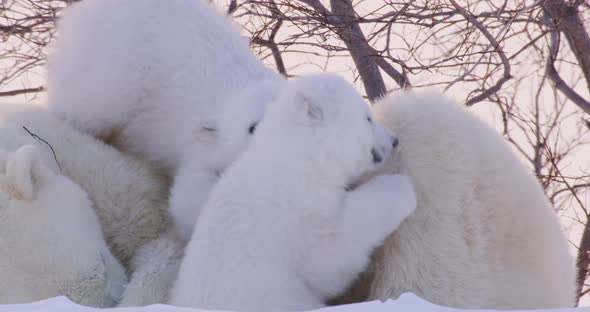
(209, 129)
(369, 119)
(252, 128)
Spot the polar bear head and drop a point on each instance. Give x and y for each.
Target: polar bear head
(51, 240)
(322, 120)
(228, 133)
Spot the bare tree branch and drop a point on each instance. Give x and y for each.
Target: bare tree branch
(496, 46)
(350, 32)
(567, 20)
(22, 91)
(559, 83)
(583, 259)
(367, 60)
(231, 8)
(270, 42)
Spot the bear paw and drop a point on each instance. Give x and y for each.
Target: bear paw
(21, 172)
(393, 197)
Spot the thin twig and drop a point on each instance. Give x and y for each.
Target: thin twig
(492, 43)
(42, 140)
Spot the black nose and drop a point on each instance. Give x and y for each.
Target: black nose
(376, 157)
(394, 142)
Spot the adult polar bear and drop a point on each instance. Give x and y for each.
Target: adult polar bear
(158, 75)
(158, 69)
(52, 242)
(157, 78)
(484, 235)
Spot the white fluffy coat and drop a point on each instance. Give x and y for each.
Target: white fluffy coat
(128, 197)
(484, 234)
(280, 232)
(235, 126)
(51, 239)
(150, 70)
(160, 76)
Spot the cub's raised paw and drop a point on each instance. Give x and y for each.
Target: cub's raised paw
(21, 172)
(393, 195)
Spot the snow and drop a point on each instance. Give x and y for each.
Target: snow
(407, 302)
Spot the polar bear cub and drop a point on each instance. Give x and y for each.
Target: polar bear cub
(221, 141)
(280, 231)
(43, 217)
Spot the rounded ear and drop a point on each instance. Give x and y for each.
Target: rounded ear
(207, 130)
(312, 109)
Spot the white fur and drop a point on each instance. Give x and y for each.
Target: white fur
(203, 163)
(151, 69)
(484, 235)
(128, 196)
(156, 266)
(280, 232)
(158, 91)
(50, 237)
